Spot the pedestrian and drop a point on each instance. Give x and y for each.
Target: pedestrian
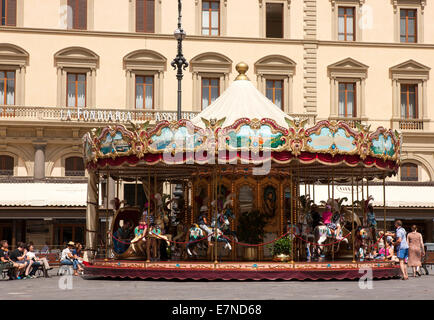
(416, 250)
(401, 247)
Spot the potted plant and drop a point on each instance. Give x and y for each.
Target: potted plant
(251, 230)
(281, 249)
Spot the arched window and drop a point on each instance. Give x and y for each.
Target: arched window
(74, 167)
(409, 172)
(6, 166)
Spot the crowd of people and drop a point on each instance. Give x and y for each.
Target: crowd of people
(23, 262)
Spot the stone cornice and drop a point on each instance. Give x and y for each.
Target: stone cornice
(75, 33)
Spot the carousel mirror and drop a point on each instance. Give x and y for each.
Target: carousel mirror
(246, 199)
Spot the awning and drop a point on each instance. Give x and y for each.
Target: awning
(396, 195)
(43, 194)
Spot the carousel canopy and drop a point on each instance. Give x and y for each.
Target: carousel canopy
(241, 100)
(244, 130)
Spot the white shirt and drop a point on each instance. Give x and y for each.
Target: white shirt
(65, 254)
(30, 255)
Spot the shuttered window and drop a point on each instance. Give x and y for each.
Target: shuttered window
(74, 167)
(409, 172)
(78, 11)
(8, 9)
(6, 166)
(145, 16)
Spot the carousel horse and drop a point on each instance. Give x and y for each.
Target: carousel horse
(306, 219)
(326, 233)
(223, 217)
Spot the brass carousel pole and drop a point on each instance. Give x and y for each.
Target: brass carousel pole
(215, 217)
(363, 200)
(292, 213)
(352, 215)
(135, 194)
(149, 197)
(384, 212)
(106, 213)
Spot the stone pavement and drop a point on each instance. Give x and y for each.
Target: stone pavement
(41, 288)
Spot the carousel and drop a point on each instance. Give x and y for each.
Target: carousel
(230, 194)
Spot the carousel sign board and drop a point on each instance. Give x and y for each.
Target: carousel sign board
(118, 116)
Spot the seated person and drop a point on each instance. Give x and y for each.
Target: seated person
(327, 217)
(36, 262)
(19, 257)
(6, 262)
(67, 257)
(76, 252)
(121, 237)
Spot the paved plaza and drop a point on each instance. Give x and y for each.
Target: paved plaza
(41, 288)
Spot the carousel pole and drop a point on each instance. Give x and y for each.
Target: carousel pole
(363, 201)
(384, 212)
(135, 194)
(313, 190)
(106, 213)
(149, 197)
(352, 216)
(215, 217)
(292, 211)
(333, 184)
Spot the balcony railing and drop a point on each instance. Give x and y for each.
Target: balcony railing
(97, 115)
(410, 124)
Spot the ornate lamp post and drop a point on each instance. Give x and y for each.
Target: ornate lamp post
(179, 62)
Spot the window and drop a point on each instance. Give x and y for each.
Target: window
(74, 167)
(8, 9)
(78, 11)
(409, 107)
(76, 86)
(408, 25)
(6, 166)
(211, 18)
(210, 77)
(274, 20)
(347, 90)
(7, 87)
(275, 80)
(346, 23)
(409, 172)
(76, 77)
(210, 91)
(274, 92)
(347, 101)
(145, 16)
(144, 92)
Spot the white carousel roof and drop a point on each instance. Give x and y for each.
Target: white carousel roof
(241, 100)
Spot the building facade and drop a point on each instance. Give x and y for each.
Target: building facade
(67, 66)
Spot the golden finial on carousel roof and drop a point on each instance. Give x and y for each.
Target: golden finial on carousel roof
(242, 68)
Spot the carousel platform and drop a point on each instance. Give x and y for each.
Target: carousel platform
(182, 270)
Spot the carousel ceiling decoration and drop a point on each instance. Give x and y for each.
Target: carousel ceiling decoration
(250, 136)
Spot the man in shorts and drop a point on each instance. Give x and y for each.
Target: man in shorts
(401, 247)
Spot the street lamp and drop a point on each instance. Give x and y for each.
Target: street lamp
(179, 62)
